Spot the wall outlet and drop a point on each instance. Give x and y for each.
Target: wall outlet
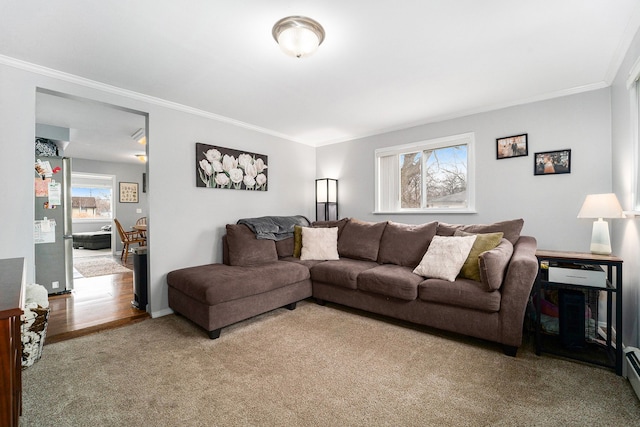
(55, 285)
(138, 210)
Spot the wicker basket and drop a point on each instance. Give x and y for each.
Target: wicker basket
(34, 331)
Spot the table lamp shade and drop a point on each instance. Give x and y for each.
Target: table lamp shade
(601, 206)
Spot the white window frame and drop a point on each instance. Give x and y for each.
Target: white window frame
(102, 177)
(633, 85)
(387, 185)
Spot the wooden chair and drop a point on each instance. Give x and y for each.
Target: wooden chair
(128, 238)
(142, 221)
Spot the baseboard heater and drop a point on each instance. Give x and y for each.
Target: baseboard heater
(631, 368)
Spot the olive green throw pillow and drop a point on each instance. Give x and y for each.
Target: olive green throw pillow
(297, 240)
(484, 242)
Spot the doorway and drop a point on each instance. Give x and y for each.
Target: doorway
(103, 144)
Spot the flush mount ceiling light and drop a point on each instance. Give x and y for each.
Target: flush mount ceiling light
(142, 157)
(298, 36)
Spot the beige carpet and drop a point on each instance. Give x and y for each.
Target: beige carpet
(314, 366)
(98, 266)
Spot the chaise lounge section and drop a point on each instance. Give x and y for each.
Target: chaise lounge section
(251, 281)
(374, 268)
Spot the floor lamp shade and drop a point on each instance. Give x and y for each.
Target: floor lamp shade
(326, 199)
(600, 206)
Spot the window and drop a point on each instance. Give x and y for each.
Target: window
(92, 197)
(633, 84)
(428, 176)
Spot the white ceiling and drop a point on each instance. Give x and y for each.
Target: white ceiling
(97, 131)
(384, 65)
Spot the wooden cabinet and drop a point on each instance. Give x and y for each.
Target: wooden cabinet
(11, 306)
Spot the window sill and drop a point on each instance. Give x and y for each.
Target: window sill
(429, 212)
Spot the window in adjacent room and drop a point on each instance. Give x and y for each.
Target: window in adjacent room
(427, 176)
(92, 197)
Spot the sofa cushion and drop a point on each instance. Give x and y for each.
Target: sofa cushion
(361, 239)
(328, 224)
(445, 257)
(306, 263)
(462, 293)
(319, 244)
(510, 228)
(216, 283)
(245, 249)
(284, 247)
(390, 280)
(484, 242)
(343, 272)
(405, 244)
(493, 264)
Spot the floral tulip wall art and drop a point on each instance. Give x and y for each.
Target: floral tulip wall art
(219, 167)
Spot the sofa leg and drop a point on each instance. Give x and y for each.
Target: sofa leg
(214, 334)
(320, 301)
(510, 350)
(291, 306)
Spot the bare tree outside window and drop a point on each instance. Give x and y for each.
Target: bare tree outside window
(446, 176)
(411, 180)
(444, 180)
(435, 175)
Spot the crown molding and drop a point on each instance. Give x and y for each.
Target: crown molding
(471, 112)
(92, 84)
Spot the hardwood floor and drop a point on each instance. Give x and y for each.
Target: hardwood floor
(95, 304)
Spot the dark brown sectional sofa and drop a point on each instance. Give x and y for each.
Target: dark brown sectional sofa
(374, 272)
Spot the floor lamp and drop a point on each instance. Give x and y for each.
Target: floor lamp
(326, 199)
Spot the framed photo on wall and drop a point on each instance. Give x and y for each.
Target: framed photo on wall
(128, 192)
(552, 162)
(512, 146)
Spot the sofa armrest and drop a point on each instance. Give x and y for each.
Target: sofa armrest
(518, 282)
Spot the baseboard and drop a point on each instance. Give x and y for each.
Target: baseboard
(160, 313)
(631, 368)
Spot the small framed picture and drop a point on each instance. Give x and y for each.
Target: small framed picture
(512, 146)
(128, 192)
(552, 162)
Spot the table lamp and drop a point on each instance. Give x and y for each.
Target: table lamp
(601, 206)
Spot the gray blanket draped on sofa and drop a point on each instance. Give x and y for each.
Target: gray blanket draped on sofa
(274, 227)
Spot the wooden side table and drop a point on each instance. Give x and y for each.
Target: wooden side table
(606, 352)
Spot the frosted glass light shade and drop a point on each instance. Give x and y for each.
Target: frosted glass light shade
(298, 36)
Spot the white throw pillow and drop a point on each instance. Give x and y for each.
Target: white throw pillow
(445, 257)
(319, 243)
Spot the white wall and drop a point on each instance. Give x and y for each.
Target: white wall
(506, 188)
(185, 222)
(626, 233)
